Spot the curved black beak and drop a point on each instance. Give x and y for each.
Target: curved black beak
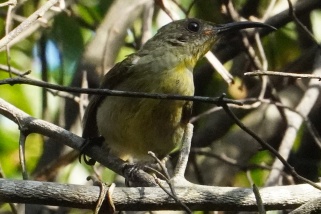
(240, 25)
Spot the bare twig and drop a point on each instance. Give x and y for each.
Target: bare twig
(104, 190)
(258, 198)
(184, 153)
(22, 155)
(180, 7)
(219, 67)
(304, 28)
(268, 10)
(261, 51)
(257, 102)
(173, 195)
(227, 160)
(84, 99)
(245, 40)
(26, 23)
(7, 29)
(294, 121)
(161, 4)
(147, 22)
(53, 92)
(270, 148)
(166, 176)
(313, 131)
(50, 170)
(8, 3)
(282, 74)
(161, 164)
(19, 80)
(190, 7)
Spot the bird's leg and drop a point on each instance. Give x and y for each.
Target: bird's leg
(136, 175)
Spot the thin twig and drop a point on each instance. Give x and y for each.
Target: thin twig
(247, 44)
(180, 7)
(49, 171)
(219, 67)
(190, 7)
(107, 92)
(156, 172)
(166, 175)
(258, 198)
(83, 97)
(147, 23)
(268, 10)
(27, 23)
(161, 4)
(282, 74)
(261, 51)
(268, 147)
(257, 102)
(22, 155)
(7, 29)
(304, 28)
(53, 92)
(184, 153)
(305, 106)
(227, 160)
(313, 131)
(8, 3)
(176, 199)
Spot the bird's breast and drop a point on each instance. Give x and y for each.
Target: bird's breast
(134, 126)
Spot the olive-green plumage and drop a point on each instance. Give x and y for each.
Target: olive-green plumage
(133, 126)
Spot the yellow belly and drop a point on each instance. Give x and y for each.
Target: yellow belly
(132, 127)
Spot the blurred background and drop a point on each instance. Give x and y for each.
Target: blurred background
(76, 42)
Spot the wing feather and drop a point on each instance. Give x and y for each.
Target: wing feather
(120, 72)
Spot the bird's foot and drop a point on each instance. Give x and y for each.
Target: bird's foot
(135, 173)
(96, 140)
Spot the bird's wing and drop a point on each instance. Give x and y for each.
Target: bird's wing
(120, 72)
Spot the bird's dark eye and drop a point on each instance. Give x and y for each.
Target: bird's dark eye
(193, 26)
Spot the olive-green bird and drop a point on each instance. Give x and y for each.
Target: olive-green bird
(133, 126)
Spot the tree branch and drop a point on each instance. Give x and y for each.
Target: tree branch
(197, 197)
(26, 23)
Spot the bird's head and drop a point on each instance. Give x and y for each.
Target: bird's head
(194, 37)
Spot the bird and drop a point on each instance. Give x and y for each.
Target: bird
(131, 127)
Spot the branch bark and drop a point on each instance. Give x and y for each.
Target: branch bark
(197, 197)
